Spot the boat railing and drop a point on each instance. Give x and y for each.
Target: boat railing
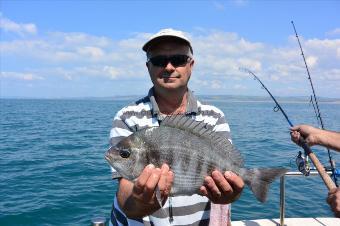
(282, 190)
(101, 221)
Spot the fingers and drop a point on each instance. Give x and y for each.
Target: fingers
(222, 189)
(213, 191)
(221, 182)
(204, 191)
(152, 183)
(152, 177)
(333, 200)
(162, 180)
(333, 191)
(235, 181)
(165, 180)
(295, 136)
(143, 178)
(295, 128)
(329, 198)
(169, 182)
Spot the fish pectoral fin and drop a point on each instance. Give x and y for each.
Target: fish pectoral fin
(160, 201)
(116, 175)
(158, 196)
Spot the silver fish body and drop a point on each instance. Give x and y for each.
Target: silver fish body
(192, 150)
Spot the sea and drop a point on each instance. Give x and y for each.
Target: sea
(53, 171)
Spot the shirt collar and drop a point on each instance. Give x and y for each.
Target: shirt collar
(191, 106)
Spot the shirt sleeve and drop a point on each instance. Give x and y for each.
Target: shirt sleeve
(118, 218)
(222, 127)
(119, 130)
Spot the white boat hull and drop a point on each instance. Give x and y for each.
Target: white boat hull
(319, 221)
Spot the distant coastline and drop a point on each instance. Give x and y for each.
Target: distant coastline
(224, 98)
(292, 99)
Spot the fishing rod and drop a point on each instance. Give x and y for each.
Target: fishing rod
(316, 106)
(319, 167)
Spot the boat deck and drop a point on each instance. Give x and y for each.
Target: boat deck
(319, 221)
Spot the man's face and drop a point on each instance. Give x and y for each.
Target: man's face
(170, 77)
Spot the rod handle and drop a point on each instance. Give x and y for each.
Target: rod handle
(319, 167)
(324, 175)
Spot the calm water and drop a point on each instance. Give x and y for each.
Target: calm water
(52, 170)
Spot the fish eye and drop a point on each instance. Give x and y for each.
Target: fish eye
(124, 153)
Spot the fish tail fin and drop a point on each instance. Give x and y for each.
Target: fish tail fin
(259, 180)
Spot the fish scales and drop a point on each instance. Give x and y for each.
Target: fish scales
(192, 150)
(185, 153)
(179, 151)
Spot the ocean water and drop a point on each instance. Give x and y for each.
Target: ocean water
(53, 172)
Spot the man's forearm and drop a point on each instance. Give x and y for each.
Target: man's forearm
(330, 139)
(131, 207)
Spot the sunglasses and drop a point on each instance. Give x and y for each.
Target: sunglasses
(175, 60)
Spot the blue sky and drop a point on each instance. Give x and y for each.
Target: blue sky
(55, 49)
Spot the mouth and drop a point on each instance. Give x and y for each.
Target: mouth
(167, 76)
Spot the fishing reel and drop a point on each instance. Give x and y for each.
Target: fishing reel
(302, 162)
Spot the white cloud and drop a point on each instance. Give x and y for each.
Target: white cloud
(208, 84)
(334, 32)
(20, 76)
(215, 84)
(250, 63)
(239, 87)
(20, 28)
(218, 5)
(311, 61)
(218, 57)
(331, 75)
(91, 51)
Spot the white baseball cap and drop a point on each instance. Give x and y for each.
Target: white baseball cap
(168, 32)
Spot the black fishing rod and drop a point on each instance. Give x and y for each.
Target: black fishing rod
(319, 167)
(316, 106)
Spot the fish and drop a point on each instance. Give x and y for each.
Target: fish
(192, 149)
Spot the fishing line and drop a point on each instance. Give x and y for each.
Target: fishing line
(316, 106)
(315, 112)
(277, 106)
(308, 152)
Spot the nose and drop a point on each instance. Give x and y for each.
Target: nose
(169, 67)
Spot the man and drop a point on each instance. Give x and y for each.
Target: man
(170, 62)
(330, 139)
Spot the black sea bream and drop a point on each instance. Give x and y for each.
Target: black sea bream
(192, 150)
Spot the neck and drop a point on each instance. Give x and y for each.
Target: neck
(170, 103)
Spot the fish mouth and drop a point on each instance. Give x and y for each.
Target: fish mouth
(108, 155)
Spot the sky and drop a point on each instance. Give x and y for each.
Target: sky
(59, 49)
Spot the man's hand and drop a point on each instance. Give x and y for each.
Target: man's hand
(308, 132)
(138, 199)
(222, 189)
(313, 136)
(333, 200)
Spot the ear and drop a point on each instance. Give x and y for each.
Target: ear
(147, 66)
(192, 62)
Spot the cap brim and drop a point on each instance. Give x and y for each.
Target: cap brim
(157, 39)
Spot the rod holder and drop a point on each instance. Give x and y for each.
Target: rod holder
(98, 221)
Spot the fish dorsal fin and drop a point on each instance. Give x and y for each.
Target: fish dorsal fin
(204, 130)
(186, 123)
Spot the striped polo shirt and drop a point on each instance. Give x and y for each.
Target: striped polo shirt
(178, 210)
